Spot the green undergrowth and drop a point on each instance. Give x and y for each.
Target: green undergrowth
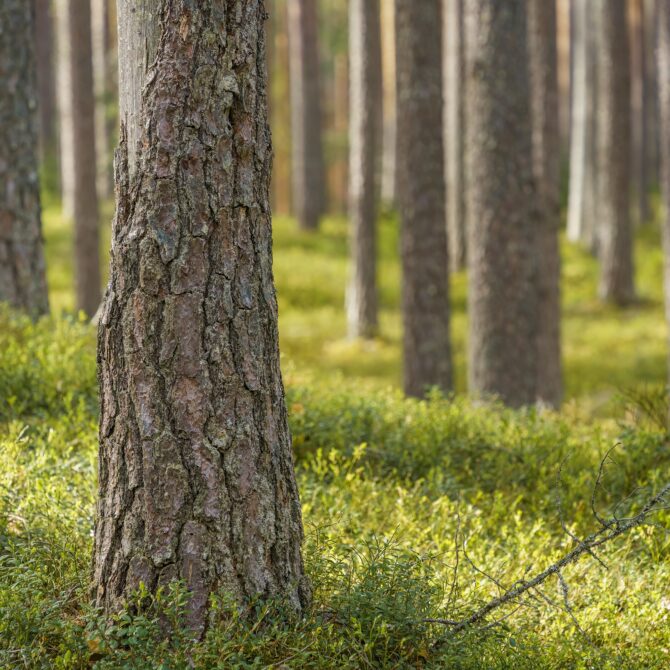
(407, 506)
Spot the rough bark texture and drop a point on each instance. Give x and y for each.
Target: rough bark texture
(421, 191)
(664, 129)
(307, 151)
(582, 200)
(22, 276)
(364, 128)
(196, 474)
(454, 135)
(542, 34)
(502, 220)
(614, 153)
(44, 46)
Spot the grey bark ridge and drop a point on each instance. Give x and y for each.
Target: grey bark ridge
(364, 130)
(308, 171)
(421, 194)
(22, 269)
(196, 474)
(502, 206)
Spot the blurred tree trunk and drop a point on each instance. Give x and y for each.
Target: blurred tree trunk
(454, 135)
(365, 100)
(421, 191)
(542, 35)
(78, 126)
(196, 475)
(307, 155)
(44, 45)
(389, 142)
(582, 199)
(22, 272)
(651, 139)
(65, 111)
(664, 131)
(564, 45)
(101, 49)
(502, 226)
(614, 153)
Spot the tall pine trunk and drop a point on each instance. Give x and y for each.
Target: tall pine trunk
(389, 142)
(614, 153)
(421, 190)
(78, 150)
(101, 49)
(22, 274)
(542, 34)
(307, 151)
(196, 474)
(44, 46)
(454, 124)
(364, 129)
(502, 225)
(582, 198)
(664, 131)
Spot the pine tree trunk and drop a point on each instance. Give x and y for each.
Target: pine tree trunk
(542, 35)
(582, 201)
(421, 191)
(651, 148)
(365, 108)
(44, 46)
(389, 141)
(22, 273)
(664, 131)
(454, 124)
(614, 153)
(196, 475)
(502, 225)
(65, 111)
(100, 45)
(307, 151)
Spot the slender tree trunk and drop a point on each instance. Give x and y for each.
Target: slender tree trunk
(307, 155)
(614, 153)
(564, 67)
(44, 46)
(502, 225)
(196, 475)
(454, 124)
(100, 45)
(421, 191)
(65, 111)
(582, 201)
(542, 35)
(651, 146)
(365, 107)
(79, 126)
(22, 274)
(664, 130)
(389, 143)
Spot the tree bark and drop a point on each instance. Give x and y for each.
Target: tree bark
(582, 199)
(664, 130)
(614, 153)
(44, 46)
(196, 475)
(389, 142)
(651, 142)
(22, 273)
(365, 108)
(307, 151)
(455, 130)
(421, 190)
(502, 221)
(542, 35)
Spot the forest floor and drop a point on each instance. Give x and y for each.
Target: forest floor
(412, 510)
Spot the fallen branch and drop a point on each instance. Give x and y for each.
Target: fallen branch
(610, 530)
